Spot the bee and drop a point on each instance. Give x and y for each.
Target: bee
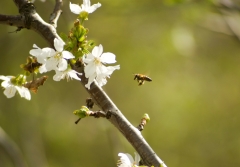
(141, 78)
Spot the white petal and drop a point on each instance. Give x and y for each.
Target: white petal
(10, 91)
(42, 68)
(6, 78)
(48, 52)
(90, 70)
(58, 44)
(76, 9)
(93, 7)
(97, 51)
(24, 92)
(62, 65)
(86, 3)
(130, 158)
(73, 74)
(137, 158)
(67, 55)
(124, 158)
(101, 69)
(89, 58)
(110, 69)
(58, 76)
(108, 58)
(101, 80)
(90, 80)
(5, 84)
(36, 51)
(51, 63)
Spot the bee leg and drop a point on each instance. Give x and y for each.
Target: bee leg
(135, 77)
(141, 82)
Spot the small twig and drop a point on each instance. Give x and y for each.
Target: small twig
(12, 20)
(76, 122)
(140, 127)
(97, 114)
(143, 122)
(89, 103)
(56, 13)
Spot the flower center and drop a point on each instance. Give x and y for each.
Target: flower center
(58, 55)
(97, 61)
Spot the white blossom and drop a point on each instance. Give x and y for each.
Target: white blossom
(68, 74)
(86, 6)
(95, 68)
(10, 88)
(126, 160)
(51, 59)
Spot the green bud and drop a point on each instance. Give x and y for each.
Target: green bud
(19, 80)
(82, 112)
(146, 117)
(14, 81)
(83, 15)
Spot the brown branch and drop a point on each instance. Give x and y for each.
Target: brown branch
(56, 13)
(46, 30)
(130, 132)
(12, 20)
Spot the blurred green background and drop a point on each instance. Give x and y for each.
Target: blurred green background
(188, 50)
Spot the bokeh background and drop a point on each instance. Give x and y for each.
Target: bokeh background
(190, 49)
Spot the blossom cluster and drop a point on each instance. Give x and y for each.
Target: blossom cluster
(58, 60)
(55, 60)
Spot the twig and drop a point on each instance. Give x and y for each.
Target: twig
(56, 13)
(131, 133)
(12, 20)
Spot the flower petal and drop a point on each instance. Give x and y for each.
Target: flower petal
(62, 65)
(76, 9)
(97, 51)
(67, 55)
(88, 58)
(24, 92)
(89, 70)
(93, 7)
(48, 52)
(6, 78)
(108, 58)
(90, 80)
(137, 158)
(10, 91)
(36, 51)
(51, 64)
(58, 44)
(58, 76)
(74, 74)
(124, 158)
(43, 69)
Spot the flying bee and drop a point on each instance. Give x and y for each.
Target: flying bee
(141, 78)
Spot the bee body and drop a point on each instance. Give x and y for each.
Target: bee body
(141, 78)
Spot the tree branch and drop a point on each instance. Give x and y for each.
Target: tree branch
(56, 13)
(11, 20)
(130, 132)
